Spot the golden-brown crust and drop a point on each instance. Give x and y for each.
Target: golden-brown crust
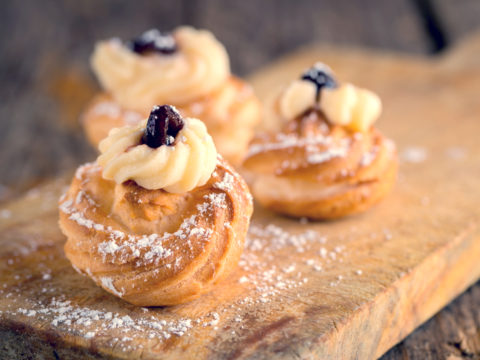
(230, 112)
(104, 114)
(358, 198)
(321, 171)
(150, 247)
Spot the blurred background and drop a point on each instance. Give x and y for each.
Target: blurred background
(45, 79)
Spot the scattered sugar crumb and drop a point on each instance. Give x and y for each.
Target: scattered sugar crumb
(265, 280)
(108, 283)
(324, 156)
(5, 214)
(414, 154)
(455, 153)
(387, 234)
(89, 335)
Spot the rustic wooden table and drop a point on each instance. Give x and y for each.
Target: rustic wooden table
(45, 82)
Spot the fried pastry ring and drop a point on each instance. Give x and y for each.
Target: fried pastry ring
(318, 170)
(151, 247)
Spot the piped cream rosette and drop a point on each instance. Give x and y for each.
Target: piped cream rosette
(179, 168)
(138, 82)
(195, 77)
(347, 105)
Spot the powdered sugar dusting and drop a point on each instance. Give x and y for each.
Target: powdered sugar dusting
(91, 322)
(456, 153)
(275, 265)
(112, 109)
(286, 141)
(277, 262)
(107, 108)
(88, 168)
(146, 249)
(369, 156)
(414, 154)
(226, 184)
(108, 283)
(318, 148)
(324, 156)
(5, 214)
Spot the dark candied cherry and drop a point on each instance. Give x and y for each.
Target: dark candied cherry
(163, 125)
(153, 41)
(321, 76)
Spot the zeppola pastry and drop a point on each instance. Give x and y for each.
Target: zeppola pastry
(189, 69)
(159, 218)
(326, 160)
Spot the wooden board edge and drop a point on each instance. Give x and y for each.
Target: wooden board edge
(400, 315)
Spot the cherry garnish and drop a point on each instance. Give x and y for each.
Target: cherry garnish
(163, 125)
(154, 41)
(321, 76)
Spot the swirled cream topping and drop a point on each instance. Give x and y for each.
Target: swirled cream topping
(139, 81)
(346, 105)
(350, 106)
(298, 97)
(177, 168)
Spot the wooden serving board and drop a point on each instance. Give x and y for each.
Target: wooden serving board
(347, 289)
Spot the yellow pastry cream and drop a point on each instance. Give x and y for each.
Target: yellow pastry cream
(200, 66)
(345, 104)
(164, 152)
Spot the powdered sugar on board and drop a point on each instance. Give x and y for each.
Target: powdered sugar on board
(276, 264)
(414, 154)
(259, 283)
(92, 322)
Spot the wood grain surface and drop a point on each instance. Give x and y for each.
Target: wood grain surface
(349, 289)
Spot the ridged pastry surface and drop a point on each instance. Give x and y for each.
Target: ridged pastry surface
(150, 247)
(318, 170)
